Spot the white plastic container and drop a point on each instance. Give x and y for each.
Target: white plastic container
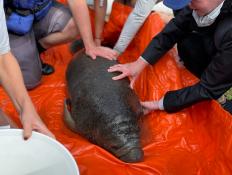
(40, 155)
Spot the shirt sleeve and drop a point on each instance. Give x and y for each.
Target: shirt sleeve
(175, 30)
(135, 20)
(215, 80)
(4, 38)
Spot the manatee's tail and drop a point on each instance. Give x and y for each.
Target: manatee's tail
(69, 121)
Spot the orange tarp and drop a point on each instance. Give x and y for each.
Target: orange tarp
(196, 140)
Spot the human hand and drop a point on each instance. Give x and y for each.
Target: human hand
(32, 122)
(126, 70)
(105, 52)
(117, 54)
(130, 69)
(149, 106)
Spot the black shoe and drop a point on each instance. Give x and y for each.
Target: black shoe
(47, 69)
(76, 46)
(40, 48)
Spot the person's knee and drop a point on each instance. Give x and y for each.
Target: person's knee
(26, 53)
(71, 30)
(31, 85)
(31, 80)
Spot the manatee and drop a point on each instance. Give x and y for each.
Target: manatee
(104, 111)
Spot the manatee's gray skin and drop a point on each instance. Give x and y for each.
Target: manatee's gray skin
(104, 111)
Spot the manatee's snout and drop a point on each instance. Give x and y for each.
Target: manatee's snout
(134, 155)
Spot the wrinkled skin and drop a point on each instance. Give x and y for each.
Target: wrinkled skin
(104, 111)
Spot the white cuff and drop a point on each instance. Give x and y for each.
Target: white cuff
(143, 59)
(161, 104)
(117, 50)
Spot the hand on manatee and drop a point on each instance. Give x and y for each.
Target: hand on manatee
(117, 54)
(127, 70)
(104, 52)
(130, 69)
(149, 106)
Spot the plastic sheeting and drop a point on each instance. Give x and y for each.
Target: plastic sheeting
(196, 140)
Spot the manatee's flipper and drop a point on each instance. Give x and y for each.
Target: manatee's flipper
(69, 121)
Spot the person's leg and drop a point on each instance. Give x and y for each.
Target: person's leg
(57, 27)
(25, 51)
(47, 69)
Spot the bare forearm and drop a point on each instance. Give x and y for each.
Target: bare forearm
(81, 16)
(12, 81)
(100, 12)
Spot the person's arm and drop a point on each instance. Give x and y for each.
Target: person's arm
(12, 81)
(133, 23)
(215, 81)
(130, 69)
(174, 31)
(100, 13)
(160, 44)
(80, 13)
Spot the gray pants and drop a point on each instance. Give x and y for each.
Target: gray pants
(24, 47)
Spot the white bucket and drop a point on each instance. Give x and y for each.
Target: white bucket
(40, 155)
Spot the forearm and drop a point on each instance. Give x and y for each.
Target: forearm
(100, 12)
(80, 13)
(12, 81)
(162, 43)
(134, 22)
(174, 31)
(179, 99)
(215, 80)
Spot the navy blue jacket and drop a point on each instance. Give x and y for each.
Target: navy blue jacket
(217, 77)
